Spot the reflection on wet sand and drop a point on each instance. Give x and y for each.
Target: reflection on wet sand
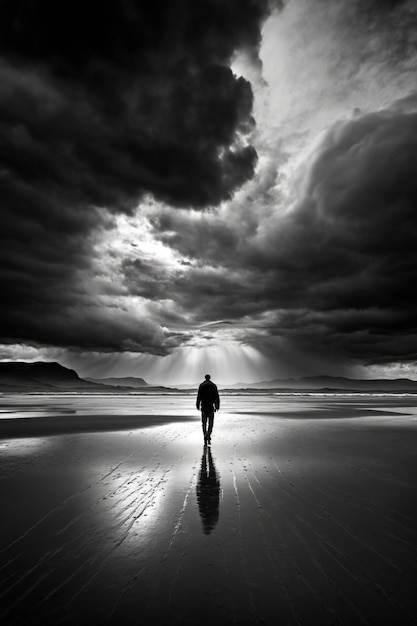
(122, 527)
(208, 492)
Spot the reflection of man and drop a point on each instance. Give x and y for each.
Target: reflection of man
(208, 401)
(208, 492)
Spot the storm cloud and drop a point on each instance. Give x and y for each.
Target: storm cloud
(187, 174)
(336, 267)
(110, 101)
(102, 104)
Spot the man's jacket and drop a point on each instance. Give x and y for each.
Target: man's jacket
(208, 396)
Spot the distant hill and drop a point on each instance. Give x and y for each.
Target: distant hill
(127, 381)
(42, 376)
(316, 383)
(19, 376)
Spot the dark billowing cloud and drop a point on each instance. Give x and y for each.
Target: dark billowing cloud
(101, 103)
(334, 271)
(354, 233)
(137, 97)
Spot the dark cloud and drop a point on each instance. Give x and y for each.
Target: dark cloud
(140, 97)
(101, 103)
(205, 292)
(353, 255)
(335, 271)
(205, 237)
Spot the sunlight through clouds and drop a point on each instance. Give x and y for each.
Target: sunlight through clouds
(227, 363)
(131, 237)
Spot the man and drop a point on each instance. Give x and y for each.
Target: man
(208, 401)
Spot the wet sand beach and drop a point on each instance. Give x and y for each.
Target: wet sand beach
(302, 511)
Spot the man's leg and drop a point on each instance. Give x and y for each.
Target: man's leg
(210, 425)
(204, 424)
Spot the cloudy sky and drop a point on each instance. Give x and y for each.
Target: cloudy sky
(209, 186)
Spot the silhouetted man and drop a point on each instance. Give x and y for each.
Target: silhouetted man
(208, 401)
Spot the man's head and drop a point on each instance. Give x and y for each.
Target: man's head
(207, 376)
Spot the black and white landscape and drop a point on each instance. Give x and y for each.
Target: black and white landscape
(222, 187)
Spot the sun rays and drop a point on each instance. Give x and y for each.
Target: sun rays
(227, 363)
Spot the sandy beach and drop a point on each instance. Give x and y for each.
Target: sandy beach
(302, 512)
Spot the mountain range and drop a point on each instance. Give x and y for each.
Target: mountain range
(42, 376)
(18, 376)
(315, 383)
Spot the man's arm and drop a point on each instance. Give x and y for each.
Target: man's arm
(217, 400)
(198, 400)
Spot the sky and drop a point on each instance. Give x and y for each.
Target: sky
(209, 187)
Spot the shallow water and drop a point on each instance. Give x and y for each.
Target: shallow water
(37, 405)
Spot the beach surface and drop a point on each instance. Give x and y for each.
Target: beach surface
(302, 511)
